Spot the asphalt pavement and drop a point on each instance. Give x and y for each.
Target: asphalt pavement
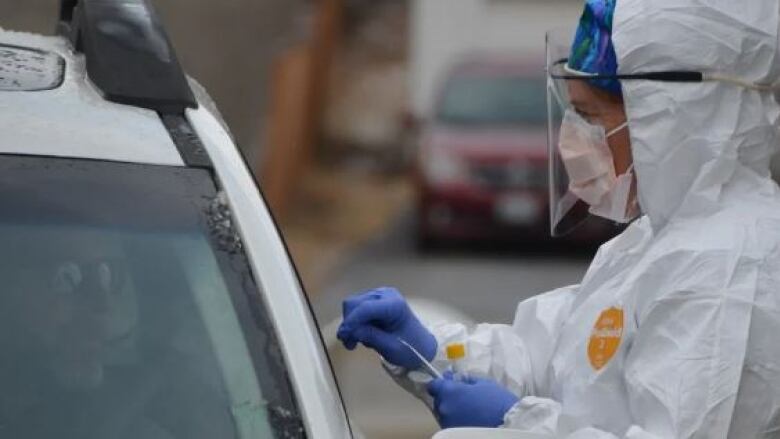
(483, 283)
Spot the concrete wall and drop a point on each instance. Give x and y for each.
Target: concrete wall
(227, 45)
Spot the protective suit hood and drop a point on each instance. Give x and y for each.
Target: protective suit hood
(690, 141)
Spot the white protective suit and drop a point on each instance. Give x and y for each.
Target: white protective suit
(671, 333)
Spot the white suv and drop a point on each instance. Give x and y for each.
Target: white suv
(145, 292)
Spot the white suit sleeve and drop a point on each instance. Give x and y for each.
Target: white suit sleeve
(514, 355)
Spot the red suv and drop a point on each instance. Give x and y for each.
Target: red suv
(482, 165)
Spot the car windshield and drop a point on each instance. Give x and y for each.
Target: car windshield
(129, 309)
(493, 100)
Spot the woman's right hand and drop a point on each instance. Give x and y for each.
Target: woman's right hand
(380, 319)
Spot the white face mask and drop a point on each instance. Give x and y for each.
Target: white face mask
(617, 205)
(591, 169)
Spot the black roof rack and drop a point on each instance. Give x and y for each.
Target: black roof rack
(128, 53)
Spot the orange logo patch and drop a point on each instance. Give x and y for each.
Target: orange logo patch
(605, 338)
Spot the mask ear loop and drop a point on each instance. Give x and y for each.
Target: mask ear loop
(616, 130)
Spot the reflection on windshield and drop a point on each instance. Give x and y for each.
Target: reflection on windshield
(126, 320)
(493, 100)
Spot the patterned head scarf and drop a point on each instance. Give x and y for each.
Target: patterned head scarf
(592, 51)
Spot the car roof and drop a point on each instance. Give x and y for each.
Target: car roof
(74, 119)
(498, 64)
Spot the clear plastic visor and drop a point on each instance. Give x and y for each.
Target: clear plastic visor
(567, 211)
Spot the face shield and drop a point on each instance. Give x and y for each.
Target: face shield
(581, 168)
(570, 204)
(567, 211)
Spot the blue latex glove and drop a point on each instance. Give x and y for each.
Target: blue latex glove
(473, 402)
(377, 319)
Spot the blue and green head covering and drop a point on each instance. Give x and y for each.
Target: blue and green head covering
(592, 50)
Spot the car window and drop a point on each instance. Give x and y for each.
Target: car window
(493, 100)
(129, 309)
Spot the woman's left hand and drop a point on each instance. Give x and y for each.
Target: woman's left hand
(472, 402)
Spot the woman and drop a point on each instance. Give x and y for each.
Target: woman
(670, 333)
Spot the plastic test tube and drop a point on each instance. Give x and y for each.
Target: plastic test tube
(455, 353)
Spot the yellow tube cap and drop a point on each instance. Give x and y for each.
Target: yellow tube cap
(456, 351)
